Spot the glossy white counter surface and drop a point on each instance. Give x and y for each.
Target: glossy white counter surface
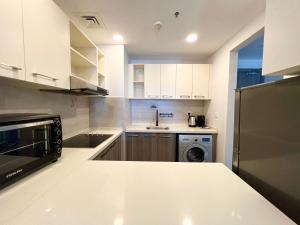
(18, 196)
(183, 129)
(78, 191)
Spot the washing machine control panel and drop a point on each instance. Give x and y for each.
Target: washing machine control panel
(206, 139)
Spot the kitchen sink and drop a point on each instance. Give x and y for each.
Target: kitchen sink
(157, 128)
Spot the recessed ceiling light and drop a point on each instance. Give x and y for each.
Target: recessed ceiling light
(191, 38)
(118, 37)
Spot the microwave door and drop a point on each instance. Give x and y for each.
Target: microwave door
(24, 144)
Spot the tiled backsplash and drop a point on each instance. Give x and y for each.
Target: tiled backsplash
(141, 111)
(74, 111)
(112, 112)
(109, 112)
(79, 113)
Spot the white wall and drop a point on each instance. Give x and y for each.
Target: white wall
(114, 69)
(221, 110)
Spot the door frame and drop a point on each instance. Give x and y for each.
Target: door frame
(233, 70)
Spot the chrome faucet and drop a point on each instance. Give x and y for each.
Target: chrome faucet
(157, 127)
(156, 121)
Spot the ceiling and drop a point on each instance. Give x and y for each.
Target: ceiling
(215, 22)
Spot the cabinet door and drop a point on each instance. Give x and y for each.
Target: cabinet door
(112, 152)
(200, 81)
(166, 150)
(281, 41)
(149, 147)
(141, 147)
(168, 81)
(117, 150)
(103, 155)
(47, 43)
(184, 81)
(11, 44)
(133, 146)
(130, 80)
(152, 80)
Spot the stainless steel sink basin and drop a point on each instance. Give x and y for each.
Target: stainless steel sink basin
(157, 128)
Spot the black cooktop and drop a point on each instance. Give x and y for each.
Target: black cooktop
(85, 140)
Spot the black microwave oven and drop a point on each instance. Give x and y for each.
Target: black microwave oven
(27, 143)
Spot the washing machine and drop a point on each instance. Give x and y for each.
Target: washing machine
(195, 148)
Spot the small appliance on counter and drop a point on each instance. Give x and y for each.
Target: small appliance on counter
(191, 120)
(200, 121)
(27, 143)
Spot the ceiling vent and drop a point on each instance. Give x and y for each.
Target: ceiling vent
(90, 20)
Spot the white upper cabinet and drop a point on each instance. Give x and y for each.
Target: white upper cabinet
(184, 81)
(282, 35)
(152, 80)
(47, 43)
(11, 44)
(200, 81)
(168, 81)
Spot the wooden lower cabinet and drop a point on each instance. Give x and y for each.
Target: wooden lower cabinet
(141, 147)
(166, 151)
(112, 152)
(150, 147)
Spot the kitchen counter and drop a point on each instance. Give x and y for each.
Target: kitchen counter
(182, 129)
(76, 190)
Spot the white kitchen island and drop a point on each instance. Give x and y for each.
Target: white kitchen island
(79, 191)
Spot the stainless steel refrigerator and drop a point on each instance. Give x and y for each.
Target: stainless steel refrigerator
(267, 142)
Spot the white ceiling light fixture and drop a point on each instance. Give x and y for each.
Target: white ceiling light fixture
(118, 37)
(191, 38)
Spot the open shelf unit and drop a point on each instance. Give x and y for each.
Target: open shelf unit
(84, 56)
(79, 60)
(101, 69)
(138, 81)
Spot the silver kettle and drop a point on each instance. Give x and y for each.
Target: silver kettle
(191, 120)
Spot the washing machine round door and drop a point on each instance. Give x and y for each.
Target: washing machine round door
(195, 154)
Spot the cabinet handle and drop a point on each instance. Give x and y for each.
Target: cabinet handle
(199, 96)
(166, 136)
(167, 96)
(153, 96)
(45, 76)
(185, 96)
(132, 135)
(149, 135)
(10, 66)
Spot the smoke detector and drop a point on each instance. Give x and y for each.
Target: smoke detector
(90, 20)
(158, 25)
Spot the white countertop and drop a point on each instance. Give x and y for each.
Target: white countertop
(183, 129)
(78, 191)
